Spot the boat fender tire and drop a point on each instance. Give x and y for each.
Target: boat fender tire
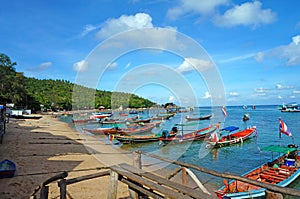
(293, 146)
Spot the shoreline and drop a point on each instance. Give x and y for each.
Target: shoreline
(46, 147)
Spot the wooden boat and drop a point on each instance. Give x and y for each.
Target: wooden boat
(281, 172)
(233, 138)
(290, 107)
(120, 131)
(140, 120)
(131, 139)
(82, 121)
(111, 121)
(246, 117)
(163, 116)
(34, 117)
(100, 115)
(196, 135)
(205, 117)
(7, 169)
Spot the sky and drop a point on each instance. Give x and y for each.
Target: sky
(190, 52)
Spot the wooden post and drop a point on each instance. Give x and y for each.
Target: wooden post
(184, 176)
(273, 195)
(137, 159)
(113, 185)
(63, 188)
(137, 162)
(44, 192)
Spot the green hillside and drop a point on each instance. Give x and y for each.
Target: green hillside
(30, 93)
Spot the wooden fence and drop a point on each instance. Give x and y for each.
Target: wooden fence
(142, 183)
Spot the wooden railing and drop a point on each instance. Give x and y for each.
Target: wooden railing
(143, 183)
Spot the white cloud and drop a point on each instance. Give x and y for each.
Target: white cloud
(234, 94)
(202, 7)
(290, 53)
(292, 96)
(190, 64)
(124, 23)
(80, 66)
(259, 57)
(41, 67)
(45, 65)
(246, 14)
(128, 65)
(261, 90)
(296, 40)
(207, 95)
(279, 97)
(112, 66)
(171, 98)
(283, 87)
(87, 29)
(296, 92)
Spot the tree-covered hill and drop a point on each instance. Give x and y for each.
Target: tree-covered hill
(31, 93)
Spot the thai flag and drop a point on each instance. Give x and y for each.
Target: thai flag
(224, 111)
(215, 137)
(284, 129)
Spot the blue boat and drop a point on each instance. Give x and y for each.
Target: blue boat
(281, 171)
(7, 169)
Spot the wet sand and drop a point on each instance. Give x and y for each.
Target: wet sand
(46, 147)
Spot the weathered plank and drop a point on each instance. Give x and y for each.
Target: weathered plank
(147, 183)
(178, 187)
(87, 177)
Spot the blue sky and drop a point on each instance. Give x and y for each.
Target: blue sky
(250, 49)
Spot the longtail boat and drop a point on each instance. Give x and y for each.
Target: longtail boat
(233, 138)
(131, 139)
(195, 135)
(121, 131)
(281, 171)
(204, 117)
(163, 116)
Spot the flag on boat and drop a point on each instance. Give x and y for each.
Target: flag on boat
(215, 137)
(284, 129)
(224, 111)
(111, 137)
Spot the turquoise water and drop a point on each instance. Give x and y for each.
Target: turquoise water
(236, 159)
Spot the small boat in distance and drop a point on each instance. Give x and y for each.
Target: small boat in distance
(204, 117)
(246, 117)
(281, 171)
(290, 107)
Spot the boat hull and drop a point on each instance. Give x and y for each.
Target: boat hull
(197, 135)
(281, 172)
(234, 138)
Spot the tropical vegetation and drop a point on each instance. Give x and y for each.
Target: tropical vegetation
(36, 94)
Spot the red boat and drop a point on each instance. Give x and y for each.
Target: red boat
(233, 138)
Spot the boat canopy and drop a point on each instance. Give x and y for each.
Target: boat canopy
(279, 149)
(230, 128)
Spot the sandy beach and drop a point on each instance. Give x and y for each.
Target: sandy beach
(46, 147)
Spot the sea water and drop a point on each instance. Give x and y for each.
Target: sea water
(236, 159)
